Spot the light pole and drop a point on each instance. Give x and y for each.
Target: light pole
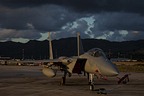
(23, 54)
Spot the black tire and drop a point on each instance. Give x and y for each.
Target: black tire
(91, 87)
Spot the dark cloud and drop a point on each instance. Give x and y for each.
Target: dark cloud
(43, 18)
(121, 24)
(9, 34)
(118, 21)
(72, 28)
(34, 21)
(82, 5)
(114, 20)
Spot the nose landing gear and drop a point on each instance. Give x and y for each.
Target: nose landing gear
(91, 83)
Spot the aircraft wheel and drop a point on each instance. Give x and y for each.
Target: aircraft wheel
(91, 87)
(62, 81)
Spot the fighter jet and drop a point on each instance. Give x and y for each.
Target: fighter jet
(93, 62)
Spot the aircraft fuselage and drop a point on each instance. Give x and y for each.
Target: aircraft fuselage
(98, 63)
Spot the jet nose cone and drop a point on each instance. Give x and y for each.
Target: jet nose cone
(109, 69)
(114, 72)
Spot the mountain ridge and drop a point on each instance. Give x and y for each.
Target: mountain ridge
(34, 49)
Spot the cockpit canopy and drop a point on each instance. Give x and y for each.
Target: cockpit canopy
(96, 52)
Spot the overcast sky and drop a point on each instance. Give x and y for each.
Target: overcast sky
(114, 20)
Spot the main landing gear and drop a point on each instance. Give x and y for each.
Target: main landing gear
(63, 80)
(90, 78)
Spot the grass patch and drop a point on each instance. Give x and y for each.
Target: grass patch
(131, 68)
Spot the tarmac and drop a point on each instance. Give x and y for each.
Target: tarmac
(29, 81)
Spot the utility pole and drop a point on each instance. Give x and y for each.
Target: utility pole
(23, 54)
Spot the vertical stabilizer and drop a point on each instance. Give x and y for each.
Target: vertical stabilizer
(50, 47)
(79, 45)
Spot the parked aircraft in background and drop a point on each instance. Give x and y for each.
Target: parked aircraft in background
(93, 62)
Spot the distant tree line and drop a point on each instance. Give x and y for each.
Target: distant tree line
(68, 47)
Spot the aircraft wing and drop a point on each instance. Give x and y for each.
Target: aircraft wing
(71, 65)
(49, 61)
(40, 61)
